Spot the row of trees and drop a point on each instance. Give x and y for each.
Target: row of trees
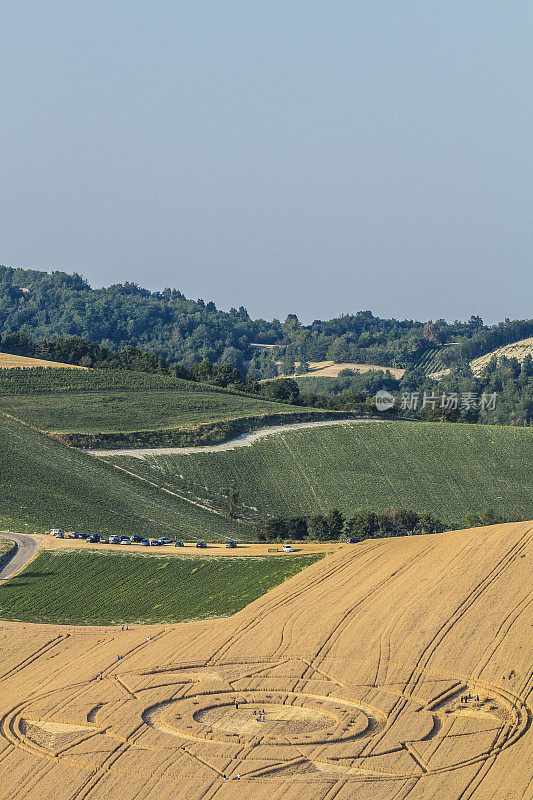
(364, 524)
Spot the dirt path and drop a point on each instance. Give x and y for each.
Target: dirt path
(26, 547)
(245, 440)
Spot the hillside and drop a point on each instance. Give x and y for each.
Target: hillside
(179, 329)
(107, 407)
(347, 681)
(45, 484)
(519, 350)
(449, 470)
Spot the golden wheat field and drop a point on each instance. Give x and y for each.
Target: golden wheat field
(331, 369)
(7, 361)
(347, 682)
(518, 350)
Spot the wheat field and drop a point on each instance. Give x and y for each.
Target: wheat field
(346, 682)
(8, 361)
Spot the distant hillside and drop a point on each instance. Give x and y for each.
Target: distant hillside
(8, 361)
(519, 350)
(49, 305)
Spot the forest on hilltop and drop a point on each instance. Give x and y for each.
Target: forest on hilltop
(50, 305)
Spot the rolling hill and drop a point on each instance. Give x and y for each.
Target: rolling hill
(394, 669)
(449, 470)
(518, 350)
(45, 484)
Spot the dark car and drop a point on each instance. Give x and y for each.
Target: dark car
(93, 539)
(201, 544)
(82, 535)
(351, 540)
(136, 538)
(178, 544)
(155, 543)
(115, 539)
(145, 542)
(231, 543)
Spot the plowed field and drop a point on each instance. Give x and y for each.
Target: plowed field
(346, 682)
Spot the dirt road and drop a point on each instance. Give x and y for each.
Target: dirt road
(245, 440)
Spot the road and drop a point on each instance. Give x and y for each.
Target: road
(27, 546)
(244, 440)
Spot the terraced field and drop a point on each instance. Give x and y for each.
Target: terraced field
(448, 470)
(397, 669)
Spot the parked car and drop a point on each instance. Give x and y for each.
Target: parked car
(287, 548)
(165, 540)
(351, 540)
(125, 540)
(104, 540)
(93, 539)
(155, 543)
(115, 540)
(145, 542)
(55, 531)
(72, 535)
(201, 544)
(82, 535)
(178, 543)
(231, 543)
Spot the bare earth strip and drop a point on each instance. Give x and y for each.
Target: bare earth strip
(347, 682)
(245, 440)
(189, 549)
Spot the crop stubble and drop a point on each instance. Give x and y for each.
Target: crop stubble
(359, 663)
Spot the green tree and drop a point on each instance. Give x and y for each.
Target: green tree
(317, 528)
(335, 523)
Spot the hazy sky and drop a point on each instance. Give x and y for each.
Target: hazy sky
(310, 157)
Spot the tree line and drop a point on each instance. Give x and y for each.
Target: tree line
(368, 524)
(166, 323)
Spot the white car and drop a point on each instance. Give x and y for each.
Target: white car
(287, 548)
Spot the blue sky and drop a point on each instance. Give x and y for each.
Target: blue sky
(309, 157)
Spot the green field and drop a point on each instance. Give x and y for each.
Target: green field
(45, 484)
(97, 588)
(131, 411)
(447, 469)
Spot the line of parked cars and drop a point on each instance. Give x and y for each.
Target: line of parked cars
(126, 540)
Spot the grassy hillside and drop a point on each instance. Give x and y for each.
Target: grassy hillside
(111, 411)
(45, 484)
(73, 587)
(447, 469)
